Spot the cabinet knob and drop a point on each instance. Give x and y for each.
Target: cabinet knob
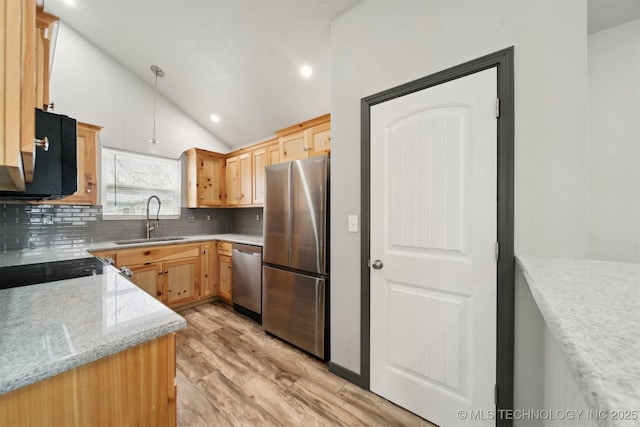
(159, 294)
(42, 143)
(202, 197)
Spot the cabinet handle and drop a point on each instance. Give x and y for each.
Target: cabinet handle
(202, 197)
(166, 272)
(42, 143)
(126, 271)
(160, 272)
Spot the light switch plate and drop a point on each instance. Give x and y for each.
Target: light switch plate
(352, 223)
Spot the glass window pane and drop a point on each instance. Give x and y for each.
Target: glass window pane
(129, 179)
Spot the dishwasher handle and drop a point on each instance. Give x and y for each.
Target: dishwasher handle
(248, 252)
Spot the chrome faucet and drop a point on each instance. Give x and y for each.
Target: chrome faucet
(155, 226)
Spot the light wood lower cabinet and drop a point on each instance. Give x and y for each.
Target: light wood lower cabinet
(176, 275)
(209, 285)
(149, 278)
(225, 266)
(225, 278)
(135, 387)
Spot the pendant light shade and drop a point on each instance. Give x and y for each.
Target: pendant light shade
(158, 73)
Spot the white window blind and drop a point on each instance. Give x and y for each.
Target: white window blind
(129, 179)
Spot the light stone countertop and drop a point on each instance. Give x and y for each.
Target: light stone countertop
(33, 256)
(593, 310)
(53, 327)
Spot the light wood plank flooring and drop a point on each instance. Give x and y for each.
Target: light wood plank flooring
(231, 373)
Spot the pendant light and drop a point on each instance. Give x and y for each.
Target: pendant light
(158, 73)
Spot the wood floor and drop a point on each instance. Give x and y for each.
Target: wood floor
(231, 373)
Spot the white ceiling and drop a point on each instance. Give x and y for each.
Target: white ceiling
(238, 59)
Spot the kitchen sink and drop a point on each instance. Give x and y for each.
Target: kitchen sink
(153, 239)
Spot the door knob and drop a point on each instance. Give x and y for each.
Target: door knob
(377, 264)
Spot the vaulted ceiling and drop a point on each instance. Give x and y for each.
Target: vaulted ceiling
(237, 59)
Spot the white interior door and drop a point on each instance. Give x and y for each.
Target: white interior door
(434, 229)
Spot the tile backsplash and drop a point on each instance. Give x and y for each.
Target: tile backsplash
(67, 226)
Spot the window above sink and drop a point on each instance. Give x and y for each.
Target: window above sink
(128, 179)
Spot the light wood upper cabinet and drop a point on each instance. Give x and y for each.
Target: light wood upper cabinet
(17, 78)
(87, 146)
(293, 147)
(205, 178)
(259, 161)
(319, 140)
(239, 180)
(306, 139)
(273, 153)
(26, 40)
(46, 35)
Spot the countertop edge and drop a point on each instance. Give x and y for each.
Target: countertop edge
(595, 393)
(94, 354)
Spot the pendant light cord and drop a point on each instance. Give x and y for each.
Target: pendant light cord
(155, 97)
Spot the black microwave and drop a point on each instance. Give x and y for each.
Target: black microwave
(56, 170)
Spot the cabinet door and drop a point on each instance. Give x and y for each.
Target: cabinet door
(209, 270)
(210, 181)
(259, 163)
(246, 179)
(149, 278)
(225, 278)
(181, 280)
(293, 147)
(319, 140)
(233, 182)
(273, 153)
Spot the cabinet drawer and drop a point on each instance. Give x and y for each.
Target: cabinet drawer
(224, 248)
(157, 253)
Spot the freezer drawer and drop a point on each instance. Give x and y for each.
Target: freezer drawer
(293, 308)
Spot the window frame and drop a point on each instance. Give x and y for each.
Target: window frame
(176, 214)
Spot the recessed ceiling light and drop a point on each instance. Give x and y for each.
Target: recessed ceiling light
(215, 118)
(70, 3)
(306, 71)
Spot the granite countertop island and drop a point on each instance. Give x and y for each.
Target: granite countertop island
(592, 308)
(50, 328)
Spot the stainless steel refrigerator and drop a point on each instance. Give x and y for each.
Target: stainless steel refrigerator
(295, 253)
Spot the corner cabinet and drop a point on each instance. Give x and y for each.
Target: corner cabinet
(205, 178)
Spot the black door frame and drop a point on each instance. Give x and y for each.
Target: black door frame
(503, 60)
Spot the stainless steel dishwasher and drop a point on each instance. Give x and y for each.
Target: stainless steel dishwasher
(247, 280)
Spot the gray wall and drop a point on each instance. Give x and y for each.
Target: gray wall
(613, 205)
(381, 44)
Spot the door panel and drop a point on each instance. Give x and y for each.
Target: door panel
(277, 216)
(309, 197)
(434, 226)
